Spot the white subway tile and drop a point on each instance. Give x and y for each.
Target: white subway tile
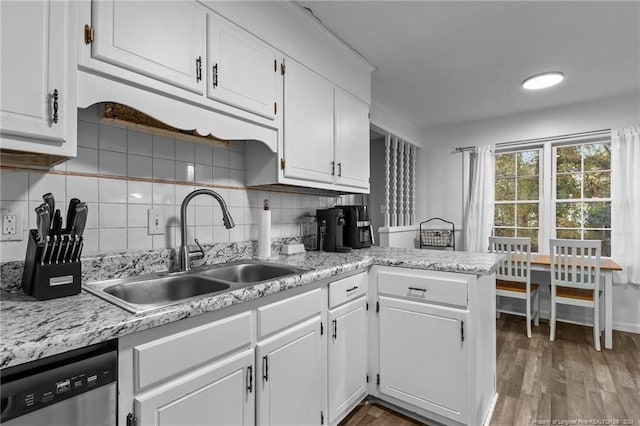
(112, 190)
(87, 134)
(41, 183)
(204, 216)
(236, 177)
(93, 212)
(138, 239)
(163, 169)
(184, 190)
(137, 216)
(168, 240)
(204, 234)
(112, 216)
(163, 147)
(113, 163)
(139, 166)
(163, 193)
(236, 160)
(13, 250)
(204, 154)
(251, 233)
(112, 138)
(220, 157)
(238, 198)
(112, 240)
(220, 176)
(84, 188)
(86, 161)
(236, 233)
(185, 172)
(237, 213)
(204, 174)
(185, 151)
(13, 185)
(90, 245)
(139, 192)
(220, 234)
(139, 143)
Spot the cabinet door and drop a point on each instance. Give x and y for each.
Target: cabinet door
(218, 394)
(347, 356)
(423, 356)
(289, 367)
(244, 72)
(162, 40)
(34, 67)
(352, 141)
(308, 125)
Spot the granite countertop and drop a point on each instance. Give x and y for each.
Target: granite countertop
(32, 329)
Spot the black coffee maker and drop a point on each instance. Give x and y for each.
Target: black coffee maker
(331, 230)
(358, 232)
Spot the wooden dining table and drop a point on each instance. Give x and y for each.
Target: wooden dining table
(542, 262)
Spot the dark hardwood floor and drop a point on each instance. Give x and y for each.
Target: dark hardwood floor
(540, 381)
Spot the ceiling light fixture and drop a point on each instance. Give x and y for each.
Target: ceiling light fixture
(544, 80)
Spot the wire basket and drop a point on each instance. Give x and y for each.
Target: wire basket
(436, 238)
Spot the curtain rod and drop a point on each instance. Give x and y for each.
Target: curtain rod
(540, 140)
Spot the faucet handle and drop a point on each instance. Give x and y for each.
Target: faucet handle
(195, 254)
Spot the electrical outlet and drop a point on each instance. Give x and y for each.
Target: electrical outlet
(11, 226)
(156, 222)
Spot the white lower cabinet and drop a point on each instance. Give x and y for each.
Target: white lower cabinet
(289, 376)
(423, 356)
(436, 347)
(218, 394)
(347, 357)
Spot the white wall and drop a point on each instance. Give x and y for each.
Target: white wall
(440, 171)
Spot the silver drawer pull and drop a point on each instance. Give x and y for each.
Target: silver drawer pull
(349, 290)
(423, 290)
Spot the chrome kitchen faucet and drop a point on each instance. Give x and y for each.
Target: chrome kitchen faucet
(185, 254)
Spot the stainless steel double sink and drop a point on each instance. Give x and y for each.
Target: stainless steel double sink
(153, 291)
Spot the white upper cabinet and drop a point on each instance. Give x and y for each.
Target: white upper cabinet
(308, 125)
(163, 40)
(352, 141)
(242, 71)
(38, 104)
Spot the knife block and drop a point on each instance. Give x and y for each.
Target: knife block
(48, 280)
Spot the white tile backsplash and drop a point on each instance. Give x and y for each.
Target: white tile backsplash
(111, 138)
(118, 206)
(112, 190)
(13, 185)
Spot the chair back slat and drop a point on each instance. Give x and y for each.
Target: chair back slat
(575, 263)
(517, 264)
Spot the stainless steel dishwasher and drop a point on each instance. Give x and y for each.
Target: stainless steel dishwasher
(73, 388)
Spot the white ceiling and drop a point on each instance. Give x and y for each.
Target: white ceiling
(441, 62)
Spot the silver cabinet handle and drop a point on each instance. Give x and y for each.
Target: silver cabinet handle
(423, 290)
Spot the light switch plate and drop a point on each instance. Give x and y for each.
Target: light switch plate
(11, 225)
(156, 222)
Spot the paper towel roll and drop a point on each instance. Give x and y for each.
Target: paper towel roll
(264, 234)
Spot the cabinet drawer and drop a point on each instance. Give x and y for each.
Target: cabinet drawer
(279, 315)
(163, 358)
(347, 289)
(429, 286)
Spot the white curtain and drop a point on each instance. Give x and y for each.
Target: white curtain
(479, 212)
(625, 202)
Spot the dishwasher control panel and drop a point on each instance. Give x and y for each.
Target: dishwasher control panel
(42, 387)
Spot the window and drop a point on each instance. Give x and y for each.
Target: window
(582, 193)
(571, 201)
(517, 195)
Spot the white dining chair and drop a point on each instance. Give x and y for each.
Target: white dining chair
(513, 278)
(575, 279)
